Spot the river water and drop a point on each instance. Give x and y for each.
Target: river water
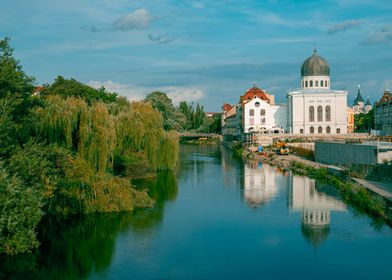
(217, 218)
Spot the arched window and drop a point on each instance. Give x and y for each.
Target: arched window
(311, 129)
(311, 83)
(303, 84)
(328, 113)
(262, 112)
(328, 129)
(316, 83)
(320, 129)
(251, 112)
(326, 83)
(311, 114)
(319, 113)
(321, 83)
(306, 83)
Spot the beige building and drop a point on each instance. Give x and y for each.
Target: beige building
(350, 120)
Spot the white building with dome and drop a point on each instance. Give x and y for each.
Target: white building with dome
(315, 108)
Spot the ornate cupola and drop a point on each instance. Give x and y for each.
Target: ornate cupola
(315, 73)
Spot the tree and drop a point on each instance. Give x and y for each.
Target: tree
(73, 88)
(172, 117)
(12, 78)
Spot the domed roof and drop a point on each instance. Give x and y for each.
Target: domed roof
(315, 65)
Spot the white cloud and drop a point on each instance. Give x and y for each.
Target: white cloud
(343, 26)
(134, 93)
(378, 37)
(178, 94)
(130, 91)
(138, 19)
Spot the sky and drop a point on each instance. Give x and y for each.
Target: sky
(202, 51)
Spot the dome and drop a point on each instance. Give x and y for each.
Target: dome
(315, 66)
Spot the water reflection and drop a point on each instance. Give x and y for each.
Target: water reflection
(315, 206)
(260, 184)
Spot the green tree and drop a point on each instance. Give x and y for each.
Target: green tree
(172, 117)
(73, 88)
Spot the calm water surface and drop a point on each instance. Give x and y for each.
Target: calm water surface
(218, 218)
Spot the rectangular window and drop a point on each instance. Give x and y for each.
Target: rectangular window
(251, 121)
(251, 112)
(338, 130)
(301, 131)
(263, 120)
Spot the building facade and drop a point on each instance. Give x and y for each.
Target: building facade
(315, 108)
(350, 120)
(383, 114)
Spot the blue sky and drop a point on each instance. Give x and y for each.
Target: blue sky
(205, 51)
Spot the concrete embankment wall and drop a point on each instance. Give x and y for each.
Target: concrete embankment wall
(345, 154)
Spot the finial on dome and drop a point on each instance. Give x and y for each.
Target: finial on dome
(254, 84)
(359, 86)
(314, 48)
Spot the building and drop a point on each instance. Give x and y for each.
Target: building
(230, 122)
(315, 108)
(37, 90)
(359, 106)
(383, 114)
(260, 114)
(350, 120)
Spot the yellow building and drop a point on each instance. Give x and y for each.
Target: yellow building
(350, 120)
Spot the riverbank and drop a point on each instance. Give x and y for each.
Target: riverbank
(357, 195)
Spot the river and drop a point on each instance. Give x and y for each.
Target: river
(217, 218)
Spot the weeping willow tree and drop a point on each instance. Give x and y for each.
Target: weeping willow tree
(100, 136)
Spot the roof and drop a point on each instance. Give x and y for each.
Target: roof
(315, 65)
(37, 89)
(227, 107)
(368, 102)
(386, 98)
(255, 91)
(359, 97)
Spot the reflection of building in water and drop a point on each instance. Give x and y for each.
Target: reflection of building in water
(259, 183)
(315, 207)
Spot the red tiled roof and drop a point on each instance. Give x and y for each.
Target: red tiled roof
(227, 107)
(255, 91)
(37, 89)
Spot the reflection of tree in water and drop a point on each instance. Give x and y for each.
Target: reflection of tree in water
(162, 188)
(197, 157)
(70, 249)
(73, 249)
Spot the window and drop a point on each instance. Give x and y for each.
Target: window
(328, 129)
(319, 113)
(311, 83)
(251, 121)
(328, 113)
(301, 130)
(338, 130)
(306, 83)
(303, 84)
(321, 83)
(316, 83)
(312, 129)
(257, 104)
(251, 112)
(263, 120)
(311, 114)
(320, 129)
(326, 83)
(262, 112)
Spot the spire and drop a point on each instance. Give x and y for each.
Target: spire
(359, 96)
(368, 102)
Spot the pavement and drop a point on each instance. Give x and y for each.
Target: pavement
(382, 188)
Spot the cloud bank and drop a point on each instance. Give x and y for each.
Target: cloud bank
(379, 37)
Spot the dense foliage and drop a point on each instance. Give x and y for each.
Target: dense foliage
(71, 150)
(186, 117)
(364, 122)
